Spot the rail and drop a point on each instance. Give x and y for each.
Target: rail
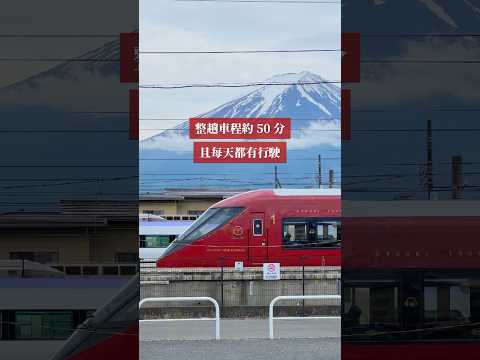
(295, 297)
(188, 298)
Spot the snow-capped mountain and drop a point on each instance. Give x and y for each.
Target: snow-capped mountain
(313, 106)
(447, 12)
(80, 110)
(424, 16)
(92, 77)
(310, 96)
(311, 102)
(451, 13)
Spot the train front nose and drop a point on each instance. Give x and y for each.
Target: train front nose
(168, 258)
(161, 261)
(165, 258)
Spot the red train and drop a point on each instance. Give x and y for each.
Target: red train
(112, 331)
(411, 280)
(289, 226)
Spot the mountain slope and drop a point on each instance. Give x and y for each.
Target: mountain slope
(319, 100)
(67, 121)
(411, 16)
(315, 113)
(92, 77)
(311, 103)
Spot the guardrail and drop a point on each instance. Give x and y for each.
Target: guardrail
(296, 297)
(183, 298)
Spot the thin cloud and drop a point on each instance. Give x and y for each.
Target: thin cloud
(315, 134)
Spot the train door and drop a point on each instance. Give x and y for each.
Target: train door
(258, 239)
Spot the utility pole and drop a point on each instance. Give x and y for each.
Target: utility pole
(330, 178)
(275, 176)
(457, 177)
(319, 171)
(277, 181)
(429, 170)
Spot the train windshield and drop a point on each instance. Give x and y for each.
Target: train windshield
(209, 221)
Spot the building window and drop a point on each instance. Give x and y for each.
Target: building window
(154, 212)
(30, 325)
(311, 233)
(126, 257)
(44, 257)
(180, 217)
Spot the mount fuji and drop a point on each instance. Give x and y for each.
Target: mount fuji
(309, 100)
(424, 16)
(314, 98)
(74, 113)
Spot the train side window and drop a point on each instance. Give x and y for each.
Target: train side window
(257, 227)
(155, 241)
(142, 241)
(310, 233)
(43, 325)
(373, 309)
(448, 302)
(444, 308)
(328, 231)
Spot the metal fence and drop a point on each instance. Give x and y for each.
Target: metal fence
(240, 293)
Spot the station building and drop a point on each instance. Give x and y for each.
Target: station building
(82, 238)
(182, 204)
(57, 268)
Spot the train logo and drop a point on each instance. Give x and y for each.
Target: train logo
(237, 231)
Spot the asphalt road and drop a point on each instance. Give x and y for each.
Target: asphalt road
(239, 329)
(302, 339)
(253, 349)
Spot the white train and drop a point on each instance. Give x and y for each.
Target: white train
(40, 307)
(156, 234)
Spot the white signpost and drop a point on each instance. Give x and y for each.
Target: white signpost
(271, 271)
(239, 265)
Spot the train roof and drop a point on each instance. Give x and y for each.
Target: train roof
(166, 223)
(411, 208)
(307, 192)
(165, 227)
(257, 196)
(57, 293)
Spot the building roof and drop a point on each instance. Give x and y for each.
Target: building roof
(111, 210)
(75, 214)
(183, 194)
(57, 221)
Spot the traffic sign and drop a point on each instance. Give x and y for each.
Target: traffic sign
(239, 265)
(271, 271)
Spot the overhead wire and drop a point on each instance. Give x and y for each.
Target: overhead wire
(233, 85)
(238, 51)
(265, 1)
